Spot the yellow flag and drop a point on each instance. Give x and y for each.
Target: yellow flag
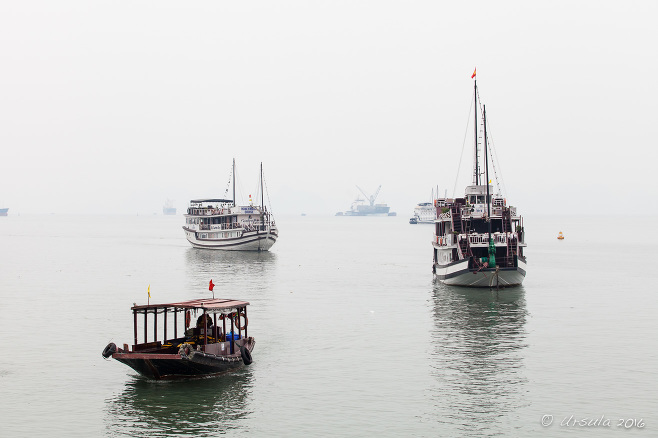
(149, 291)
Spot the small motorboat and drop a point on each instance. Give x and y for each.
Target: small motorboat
(217, 344)
(560, 236)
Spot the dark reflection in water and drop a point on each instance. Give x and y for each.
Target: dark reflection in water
(478, 340)
(228, 266)
(197, 407)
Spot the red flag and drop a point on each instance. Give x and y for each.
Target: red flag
(473, 75)
(211, 286)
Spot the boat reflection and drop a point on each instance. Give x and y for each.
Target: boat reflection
(198, 407)
(235, 267)
(478, 341)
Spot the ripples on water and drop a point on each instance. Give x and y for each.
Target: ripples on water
(353, 338)
(477, 356)
(198, 407)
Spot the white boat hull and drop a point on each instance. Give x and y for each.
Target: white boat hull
(248, 241)
(458, 274)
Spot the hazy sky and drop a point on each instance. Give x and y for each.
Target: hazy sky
(115, 106)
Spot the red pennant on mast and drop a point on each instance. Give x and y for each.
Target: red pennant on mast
(473, 75)
(211, 286)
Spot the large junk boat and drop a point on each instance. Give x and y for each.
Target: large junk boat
(221, 224)
(478, 239)
(205, 350)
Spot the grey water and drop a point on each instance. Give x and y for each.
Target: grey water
(353, 335)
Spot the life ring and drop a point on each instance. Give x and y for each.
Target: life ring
(237, 321)
(246, 355)
(109, 350)
(188, 318)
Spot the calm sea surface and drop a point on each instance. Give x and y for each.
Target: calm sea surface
(353, 336)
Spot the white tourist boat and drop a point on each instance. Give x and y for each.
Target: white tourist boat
(478, 239)
(424, 213)
(221, 224)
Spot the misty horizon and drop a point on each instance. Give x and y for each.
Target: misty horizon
(110, 108)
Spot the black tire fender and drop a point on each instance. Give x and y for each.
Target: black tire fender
(246, 355)
(109, 350)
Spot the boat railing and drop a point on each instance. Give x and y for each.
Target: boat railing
(484, 238)
(231, 226)
(447, 240)
(246, 226)
(258, 225)
(500, 238)
(207, 211)
(218, 227)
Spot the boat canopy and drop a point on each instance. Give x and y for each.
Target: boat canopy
(211, 305)
(200, 201)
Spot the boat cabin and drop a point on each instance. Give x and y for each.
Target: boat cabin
(463, 225)
(210, 325)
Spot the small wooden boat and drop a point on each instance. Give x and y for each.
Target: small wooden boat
(560, 236)
(217, 344)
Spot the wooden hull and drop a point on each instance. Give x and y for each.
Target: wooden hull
(179, 366)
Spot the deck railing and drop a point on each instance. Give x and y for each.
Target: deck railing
(234, 225)
(230, 226)
(207, 211)
(448, 240)
(484, 238)
(474, 239)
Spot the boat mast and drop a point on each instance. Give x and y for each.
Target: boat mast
(262, 201)
(233, 182)
(476, 176)
(486, 167)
